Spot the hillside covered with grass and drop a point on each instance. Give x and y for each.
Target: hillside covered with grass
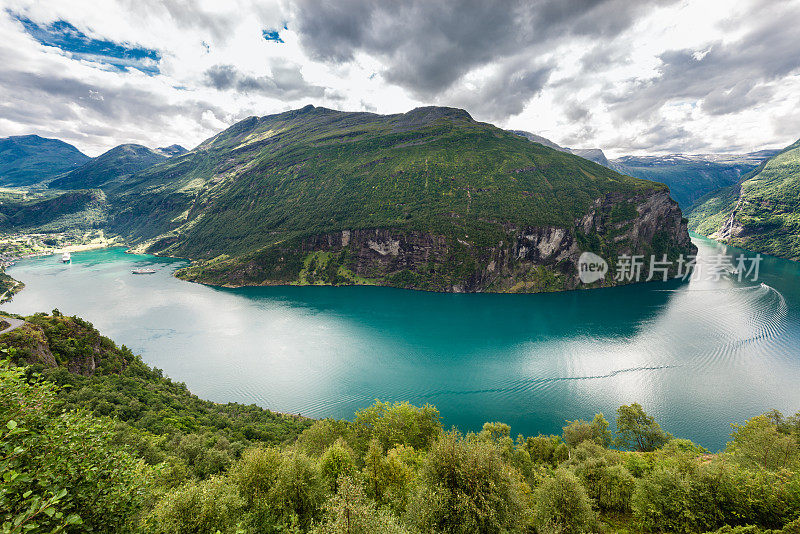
(761, 213)
(93, 440)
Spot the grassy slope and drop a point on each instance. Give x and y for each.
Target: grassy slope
(306, 172)
(768, 207)
(74, 210)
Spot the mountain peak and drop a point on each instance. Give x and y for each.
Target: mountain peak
(171, 150)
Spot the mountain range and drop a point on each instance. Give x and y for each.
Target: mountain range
(688, 176)
(761, 212)
(30, 159)
(429, 199)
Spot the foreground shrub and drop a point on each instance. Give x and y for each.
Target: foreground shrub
(563, 507)
(609, 486)
(212, 505)
(350, 511)
(467, 488)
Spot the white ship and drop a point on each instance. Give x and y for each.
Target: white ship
(143, 271)
(66, 257)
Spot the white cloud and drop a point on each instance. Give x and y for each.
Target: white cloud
(610, 78)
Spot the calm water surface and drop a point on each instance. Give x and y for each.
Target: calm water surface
(697, 355)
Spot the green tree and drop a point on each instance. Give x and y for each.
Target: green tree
(467, 488)
(397, 424)
(211, 505)
(61, 469)
(335, 463)
(578, 431)
(638, 431)
(349, 511)
(563, 507)
(759, 442)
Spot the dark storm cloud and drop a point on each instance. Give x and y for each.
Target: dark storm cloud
(426, 45)
(727, 77)
(504, 93)
(286, 82)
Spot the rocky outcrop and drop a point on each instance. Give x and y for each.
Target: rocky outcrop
(59, 341)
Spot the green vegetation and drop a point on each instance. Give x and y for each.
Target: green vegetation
(114, 164)
(31, 160)
(761, 213)
(8, 286)
(259, 201)
(75, 211)
(688, 177)
(119, 448)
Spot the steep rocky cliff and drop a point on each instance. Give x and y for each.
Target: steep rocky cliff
(525, 259)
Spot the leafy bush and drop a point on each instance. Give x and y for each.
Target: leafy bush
(563, 507)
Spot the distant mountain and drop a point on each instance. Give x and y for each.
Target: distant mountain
(539, 139)
(592, 154)
(30, 159)
(172, 150)
(689, 177)
(115, 164)
(428, 199)
(761, 212)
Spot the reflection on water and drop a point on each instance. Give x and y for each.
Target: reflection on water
(697, 355)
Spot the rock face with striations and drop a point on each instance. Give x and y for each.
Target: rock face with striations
(428, 199)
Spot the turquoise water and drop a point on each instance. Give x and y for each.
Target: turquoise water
(697, 355)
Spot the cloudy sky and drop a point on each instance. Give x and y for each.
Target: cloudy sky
(650, 76)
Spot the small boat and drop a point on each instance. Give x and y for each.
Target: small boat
(66, 257)
(143, 271)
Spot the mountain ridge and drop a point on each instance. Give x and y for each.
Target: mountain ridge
(30, 159)
(113, 164)
(428, 199)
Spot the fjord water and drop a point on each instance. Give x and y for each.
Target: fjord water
(697, 355)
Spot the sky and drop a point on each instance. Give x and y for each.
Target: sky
(643, 77)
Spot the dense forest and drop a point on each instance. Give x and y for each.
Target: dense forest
(94, 440)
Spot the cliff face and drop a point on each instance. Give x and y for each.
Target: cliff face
(524, 259)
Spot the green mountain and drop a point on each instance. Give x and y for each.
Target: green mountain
(428, 199)
(114, 164)
(30, 159)
(761, 212)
